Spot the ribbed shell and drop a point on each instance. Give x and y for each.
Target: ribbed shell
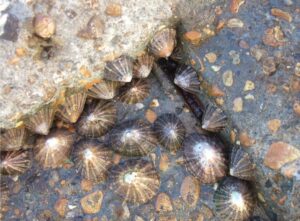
(214, 119)
(241, 165)
(163, 43)
(104, 90)
(133, 138)
(41, 121)
(170, 131)
(53, 149)
(135, 92)
(135, 181)
(92, 159)
(187, 79)
(119, 69)
(13, 139)
(97, 119)
(72, 108)
(233, 200)
(143, 66)
(14, 162)
(205, 157)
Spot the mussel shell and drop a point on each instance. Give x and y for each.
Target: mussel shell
(92, 159)
(13, 139)
(104, 90)
(135, 91)
(135, 181)
(187, 79)
(97, 119)
(233, 200)
(133, 138)
(163, 43)
(143, 66)
(70, 111)
(241, 165)
(53, 149)
(214, 119)
(170, 131)
(14, 162)
(205, 157)
(119, 69)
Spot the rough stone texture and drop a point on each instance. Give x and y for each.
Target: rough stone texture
(264, 51)
(46, 67)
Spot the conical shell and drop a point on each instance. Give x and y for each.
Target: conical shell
(13, 139)
(143, 66)
(205, 157)
(135, 181)
(72, 108)
(170, 131)
(233, 200)
(41, 121)
(119, 69)
(135, 92)
(97, 119)
(52, 150)
(14, 162)
(241, 165)
(133, 138)
(214, 119)
(187, 79)
(178, 54)
(92, 159)
(163, 43)
(104, 90)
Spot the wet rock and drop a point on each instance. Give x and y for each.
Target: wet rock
(92, 203)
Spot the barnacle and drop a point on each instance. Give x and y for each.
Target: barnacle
(97, 119)
(133, 138)
(170, 131)
(143, 66)
(104, 90)
(163, 43)
(135, 92)
(13, 139)
(233, 200)
(241, 165)
(14, 162)
(119, 69)
(72, 108)
(92, 159)
(41, 121)
(205, 157)
(214, 119)
(53, 149)
(135, 181)
(187, 79)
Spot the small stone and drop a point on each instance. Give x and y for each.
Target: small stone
(269, 65)
(274, 125)
(20, 52)
(249, 97)
(258, 53)
(235, 56)
(86, 185)
(238, 104)
(138, 218)
(117, 158)
(164, 162)
(44, 26)
(215, 91)
(235, 6)
(220, 101)
(114, 10)
(249, 86)
(232, 136)
(61, 207)
(246, 140)
(193, 36)
(163, 203)
(235, 23)
(139, 106)
(291, 170)
(154, 103)
(150, 116)
(274, 37)
(91, 203)
(190, 191)
(296, 107)
(228, 78)
(297, 69)
(215, 68)
(279, 154)
(211, 57)
(281, 14)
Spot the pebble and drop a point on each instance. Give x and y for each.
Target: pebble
(215, 91)
(154, 103)
(163, 203)
(228, 78)
(235, 57)
(281, 14)
(249, 86)
(258, 53)
(235, 23)
(164, 162)
(238, 104)
(211, 57)
(150, 116)
(220, 101)
(215, 68)
(61, 207)
(114, 10)
(290, 170)
(279, 154)
(274, 37)
(274, 125)
(249, 97)
(86, 185)
(269, 65)
(193, 36)
(139, 106)
(245, 139)
(190, 191)
(92, 203)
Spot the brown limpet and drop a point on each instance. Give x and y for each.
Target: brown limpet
(143, 66)
(119, 69)
(134, 92)
(187, 79)
(13, 139)
(14, 162)
(214, 119)
(163, 43)
(104, 90)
